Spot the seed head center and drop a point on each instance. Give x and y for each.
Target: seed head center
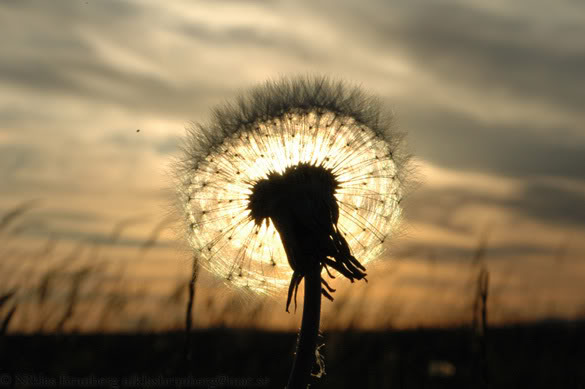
(302, 205)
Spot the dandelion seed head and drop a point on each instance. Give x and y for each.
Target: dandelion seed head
(230, 164)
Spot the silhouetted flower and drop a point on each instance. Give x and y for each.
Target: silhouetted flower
(306, 154)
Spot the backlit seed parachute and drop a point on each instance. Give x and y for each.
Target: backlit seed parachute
(303, 121)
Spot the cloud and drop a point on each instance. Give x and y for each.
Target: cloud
(17, 157)
(551, 204)
(457, 253)
(463, 142)
(480, 88)
(538, 54)
(495, 63)
(70, 50)
(462, 44)
(535, 200)
(130, 139)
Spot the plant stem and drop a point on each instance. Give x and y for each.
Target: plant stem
(308, 335)
(189, 314)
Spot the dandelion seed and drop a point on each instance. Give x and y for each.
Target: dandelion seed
(286, 128)
(297, 176)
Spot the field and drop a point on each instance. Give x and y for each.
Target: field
(544, 355)
(73, 316)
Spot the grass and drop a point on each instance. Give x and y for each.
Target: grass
(541, 355)
(62, 307)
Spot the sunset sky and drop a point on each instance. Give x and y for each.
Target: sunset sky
(95, 97)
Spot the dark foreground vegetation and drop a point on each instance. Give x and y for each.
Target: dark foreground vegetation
(545, 355)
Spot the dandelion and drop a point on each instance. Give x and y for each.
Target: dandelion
(298, 176)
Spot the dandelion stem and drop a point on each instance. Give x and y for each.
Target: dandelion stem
(308, 335)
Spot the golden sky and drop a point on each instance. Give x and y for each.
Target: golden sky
(490, 93)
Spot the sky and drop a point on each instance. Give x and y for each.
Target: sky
(95, 97)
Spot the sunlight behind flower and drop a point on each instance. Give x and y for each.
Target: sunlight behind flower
(216, 188)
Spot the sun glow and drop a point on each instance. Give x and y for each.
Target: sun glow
(216, 192)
